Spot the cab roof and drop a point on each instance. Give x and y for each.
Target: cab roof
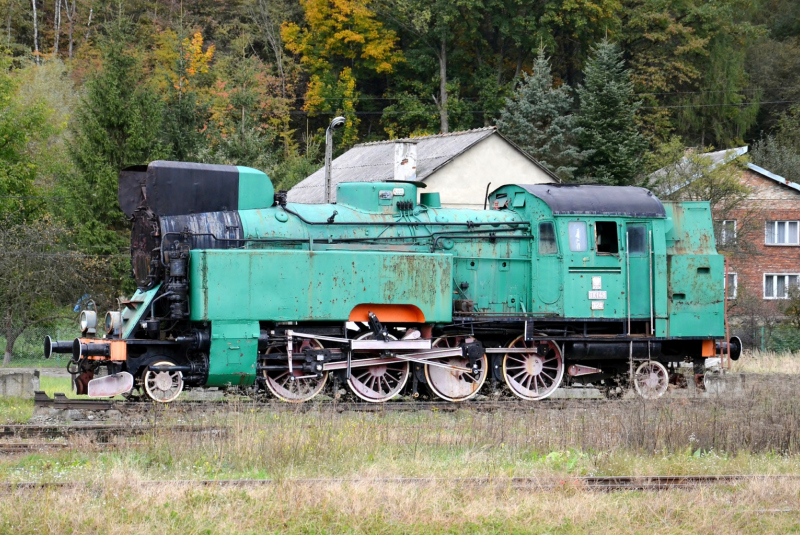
(576, 199)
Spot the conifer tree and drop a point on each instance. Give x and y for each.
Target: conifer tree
(538, 118)
(184, 113)
(117, 124)
(607, 119)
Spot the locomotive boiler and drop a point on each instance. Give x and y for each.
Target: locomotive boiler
(388, 292)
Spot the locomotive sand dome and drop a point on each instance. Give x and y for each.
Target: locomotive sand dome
(387, 291)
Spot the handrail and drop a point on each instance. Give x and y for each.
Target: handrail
(650, 265)
(628, 274)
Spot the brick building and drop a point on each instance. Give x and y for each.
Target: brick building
(766, 256)
(760, 235)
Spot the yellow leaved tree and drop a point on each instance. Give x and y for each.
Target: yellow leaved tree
(341, 44)
(179, 61)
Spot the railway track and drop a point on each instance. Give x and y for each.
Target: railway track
(590, 483)
(60, 401)
(32, 447)
(98, 432)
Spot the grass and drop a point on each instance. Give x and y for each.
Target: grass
(51, 385)
(15, 410)
(757, 433)
(120, 505)
(767, 362)
(56, 361)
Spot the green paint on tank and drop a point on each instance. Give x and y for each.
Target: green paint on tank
(375, 197)
(285, 285)
(255, 189)
(234, 348)
(696, 273)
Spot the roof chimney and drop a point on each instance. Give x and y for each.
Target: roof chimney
(405, 160)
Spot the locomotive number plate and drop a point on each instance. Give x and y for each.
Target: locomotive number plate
(598, 305)
(598, 294)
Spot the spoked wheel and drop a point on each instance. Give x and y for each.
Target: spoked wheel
(455, 385)
(299, 386)
(651, 379)
(377, 384)
(162, 387)
(535, 375)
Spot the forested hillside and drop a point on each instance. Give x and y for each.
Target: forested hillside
(108, 84)
(598, 90)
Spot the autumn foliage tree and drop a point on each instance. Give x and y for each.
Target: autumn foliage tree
(182, 64)
(341, 44)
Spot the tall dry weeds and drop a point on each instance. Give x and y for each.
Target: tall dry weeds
(314, 440)
(115, 507)
(767, 362)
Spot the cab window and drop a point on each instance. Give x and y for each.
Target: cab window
(606, 237)
(547, 238)
(637, 239)
(578, 241)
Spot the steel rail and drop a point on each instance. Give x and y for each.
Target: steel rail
(510, 404)
(25, 447)
(67, 430)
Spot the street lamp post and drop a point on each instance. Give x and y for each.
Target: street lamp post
(337, 123)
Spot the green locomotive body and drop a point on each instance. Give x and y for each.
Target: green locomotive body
(236, 289)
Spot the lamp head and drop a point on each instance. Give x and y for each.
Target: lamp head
(337, 123)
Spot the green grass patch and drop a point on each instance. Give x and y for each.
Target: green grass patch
(63, 385)
(56, 361)
(15, 410)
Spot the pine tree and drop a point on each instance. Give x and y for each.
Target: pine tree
(117, 124)
(538, 118)
(607, 119)
(184, 114)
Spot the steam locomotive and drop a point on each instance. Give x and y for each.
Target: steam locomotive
(553, 286)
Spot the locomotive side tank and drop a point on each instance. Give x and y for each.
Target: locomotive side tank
(553, 285)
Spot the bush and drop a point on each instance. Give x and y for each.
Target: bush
(785, 337)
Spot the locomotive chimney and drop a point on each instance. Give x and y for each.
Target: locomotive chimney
(405, 160)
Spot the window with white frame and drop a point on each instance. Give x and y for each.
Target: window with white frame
(731, 282)
(776, 286)
(781, 233)
(727, 232)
